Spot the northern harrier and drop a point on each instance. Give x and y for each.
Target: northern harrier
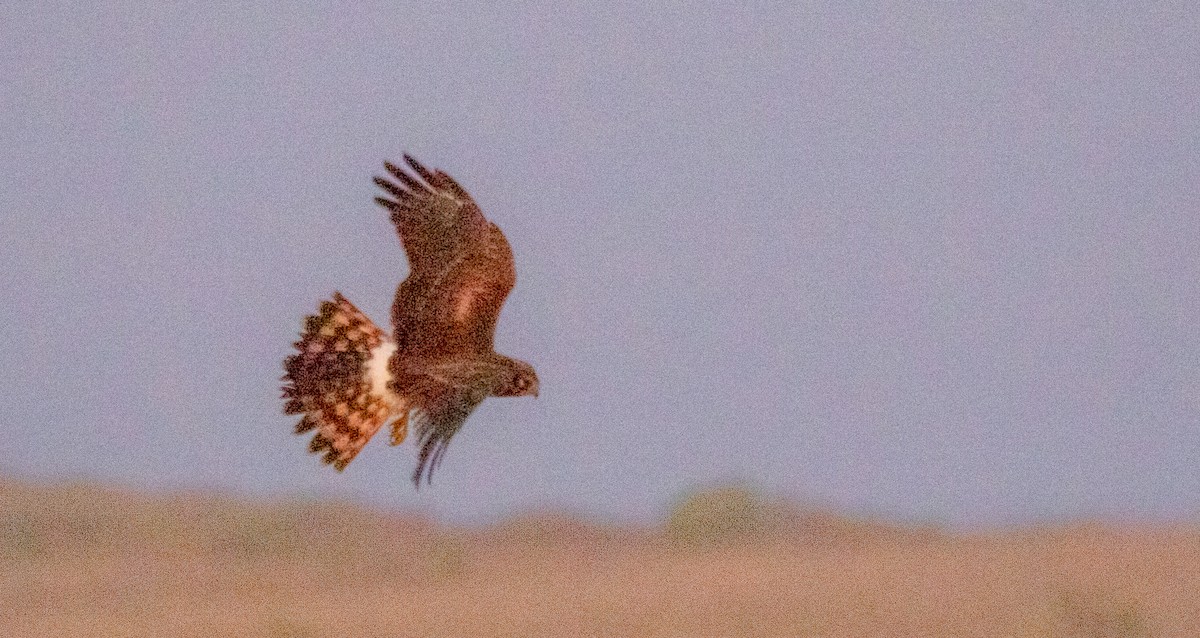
(349, 378)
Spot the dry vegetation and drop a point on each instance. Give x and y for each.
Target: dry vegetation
(84, 561)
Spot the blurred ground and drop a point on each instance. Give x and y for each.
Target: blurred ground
(79, 560)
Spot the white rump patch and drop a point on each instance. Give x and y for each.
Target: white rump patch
(378, 374)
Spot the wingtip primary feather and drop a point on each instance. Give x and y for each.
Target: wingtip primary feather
(389, 204)
(394, 190)
(433, 444)
(420, 169)
(415, 187)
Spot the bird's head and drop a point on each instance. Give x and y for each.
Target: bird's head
(521, 381)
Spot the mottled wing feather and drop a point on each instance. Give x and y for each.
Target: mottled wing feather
(457, 311)
(436, 219)
(461, 266)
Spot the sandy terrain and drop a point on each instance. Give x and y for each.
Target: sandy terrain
(79, 561)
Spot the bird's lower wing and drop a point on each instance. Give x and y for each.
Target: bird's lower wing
(438, 413)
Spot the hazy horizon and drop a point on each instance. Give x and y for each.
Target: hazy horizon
(932, 265)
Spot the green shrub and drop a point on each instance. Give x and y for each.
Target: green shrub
(716, 516)
(20, 536)
(447, 558)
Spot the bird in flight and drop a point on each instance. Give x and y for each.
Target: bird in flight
(349, 377)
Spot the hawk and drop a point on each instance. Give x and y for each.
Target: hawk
(349, 377)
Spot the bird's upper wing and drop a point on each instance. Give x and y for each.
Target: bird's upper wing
(460, 265)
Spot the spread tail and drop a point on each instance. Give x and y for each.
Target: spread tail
(338, 381)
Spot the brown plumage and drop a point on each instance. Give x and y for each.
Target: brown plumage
(348, 378)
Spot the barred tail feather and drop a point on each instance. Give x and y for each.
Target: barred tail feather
(338, 381)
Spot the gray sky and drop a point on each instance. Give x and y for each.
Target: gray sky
(940, 264)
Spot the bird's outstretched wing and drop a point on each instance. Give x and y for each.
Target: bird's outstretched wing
(460, 265)
(438, 416)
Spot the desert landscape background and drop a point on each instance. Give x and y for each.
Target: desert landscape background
(84, 560)
(934, 265)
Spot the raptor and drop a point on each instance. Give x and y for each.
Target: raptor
(349, 378)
